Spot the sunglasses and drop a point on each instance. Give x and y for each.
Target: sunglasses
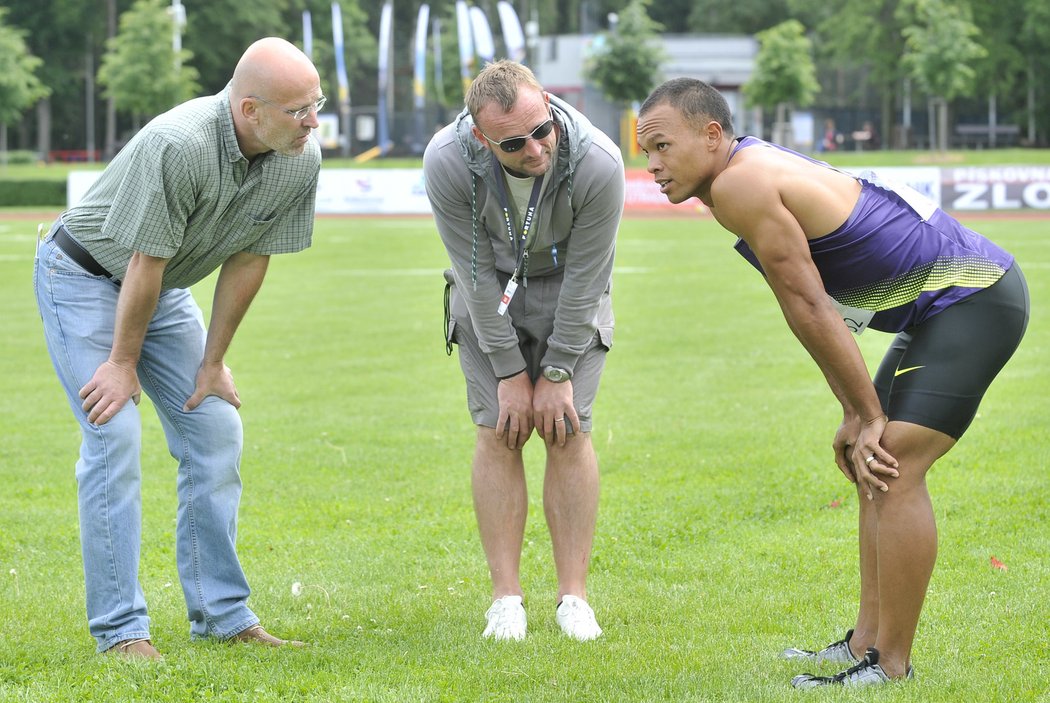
(512, 144)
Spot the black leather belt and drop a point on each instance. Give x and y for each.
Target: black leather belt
(73, 249)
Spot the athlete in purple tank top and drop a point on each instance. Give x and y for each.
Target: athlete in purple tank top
(843, 253)
(898, 254)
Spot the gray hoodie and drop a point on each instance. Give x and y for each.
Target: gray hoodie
(578, 213)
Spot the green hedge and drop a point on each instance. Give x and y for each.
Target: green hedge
(26, 193)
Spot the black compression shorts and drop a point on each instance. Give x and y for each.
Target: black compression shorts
(935, 374)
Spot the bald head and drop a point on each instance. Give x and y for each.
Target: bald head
(274, 68)
(272, 81)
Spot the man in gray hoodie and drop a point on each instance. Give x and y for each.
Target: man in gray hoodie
(527, 196)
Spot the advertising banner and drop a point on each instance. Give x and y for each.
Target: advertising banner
(980, 188)
(400, 191)
(387, 191)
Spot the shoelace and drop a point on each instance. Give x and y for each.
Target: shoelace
(864, 663)
(842, 642)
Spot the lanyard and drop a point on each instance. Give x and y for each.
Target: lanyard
(520, 244)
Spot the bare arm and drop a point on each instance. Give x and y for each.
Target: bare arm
(116, 380)
(757, 213)
(239, 280)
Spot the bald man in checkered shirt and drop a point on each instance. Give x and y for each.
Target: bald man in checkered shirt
(220, 182)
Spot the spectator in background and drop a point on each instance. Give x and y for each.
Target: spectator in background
(831, 139)
(866, 138)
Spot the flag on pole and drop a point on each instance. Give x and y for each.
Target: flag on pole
(466, 44)
(483, 44)
(510, 25)
(439, 66)
(308, 35)
(340, 71)
(419, 77)
(386, 25)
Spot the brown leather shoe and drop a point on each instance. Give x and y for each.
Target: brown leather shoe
(258, 635)
(135, 649)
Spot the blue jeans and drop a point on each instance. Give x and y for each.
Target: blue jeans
(79, 310)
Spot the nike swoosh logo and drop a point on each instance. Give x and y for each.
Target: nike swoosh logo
(898, 372)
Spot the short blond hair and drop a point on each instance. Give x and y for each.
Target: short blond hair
(499, 82)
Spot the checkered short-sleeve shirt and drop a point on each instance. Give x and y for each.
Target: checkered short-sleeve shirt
(182, 190)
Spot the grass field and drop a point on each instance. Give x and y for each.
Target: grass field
(725, 531)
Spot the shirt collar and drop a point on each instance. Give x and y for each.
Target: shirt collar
(229, 134)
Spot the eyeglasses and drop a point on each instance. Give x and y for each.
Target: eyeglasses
(299, 114)
(512, 144)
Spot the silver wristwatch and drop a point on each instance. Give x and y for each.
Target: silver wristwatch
(555, 374)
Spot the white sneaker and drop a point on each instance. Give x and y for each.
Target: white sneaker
(506, 619)
(576, 619)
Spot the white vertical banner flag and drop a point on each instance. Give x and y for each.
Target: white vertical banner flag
(479, 27)
(308, 35)
(419, 76)
(510, 26)
(386, 28)
(340, 73)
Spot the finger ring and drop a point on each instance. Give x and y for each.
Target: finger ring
(869, 459)
(560, 419)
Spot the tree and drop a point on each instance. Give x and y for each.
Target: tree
(140, 70)
(63, 33)
(19, 86)
(1001, 74)
(863, 37)
(626, 63)
(1034, 37)
(737, 17)
(784, 76)
(218, 32)
(939, 54)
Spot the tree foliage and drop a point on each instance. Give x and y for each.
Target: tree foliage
(20, 87)
(737, 17)
(941, 47)
(1003, 69)
(218, 32)
(784, 70)
(141, 70)
(626, 62)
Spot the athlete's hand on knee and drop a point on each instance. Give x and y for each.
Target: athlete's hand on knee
(108, 390)
(871, 462)
(213, 378)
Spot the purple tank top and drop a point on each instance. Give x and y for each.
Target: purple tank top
(897, 255)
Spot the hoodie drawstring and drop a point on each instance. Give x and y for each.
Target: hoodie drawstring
(474, 230)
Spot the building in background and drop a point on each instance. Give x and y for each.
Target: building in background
(724, 61)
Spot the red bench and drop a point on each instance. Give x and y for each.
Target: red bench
(74, 155)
